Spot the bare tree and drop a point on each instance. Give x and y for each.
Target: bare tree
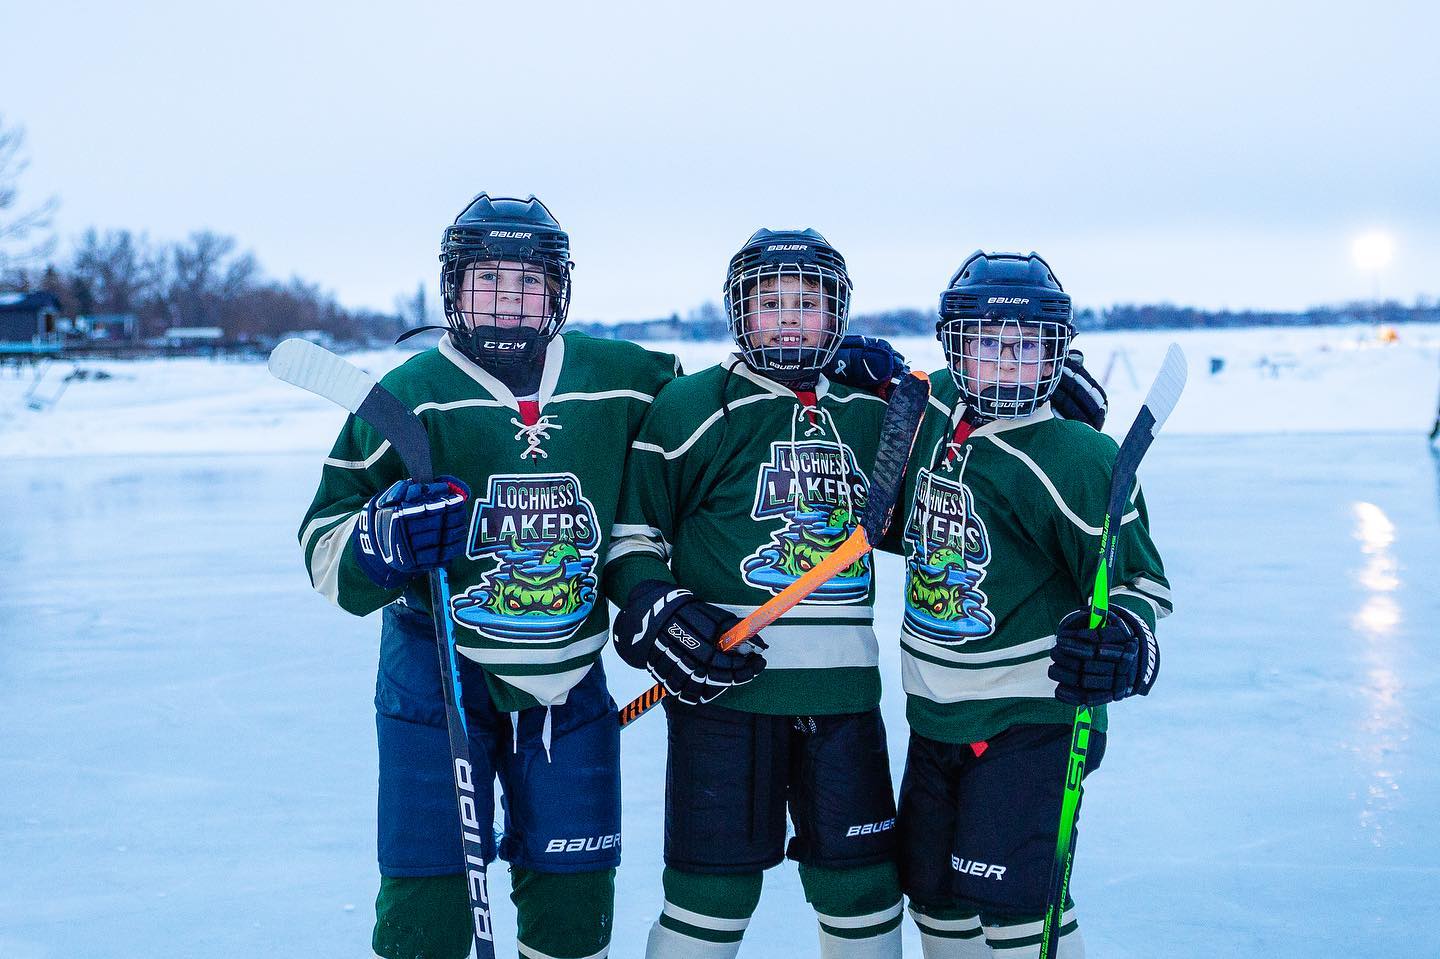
(17, 229)
(121, 270)
(415, 310)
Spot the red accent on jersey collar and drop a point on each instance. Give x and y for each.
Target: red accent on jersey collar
(807, 399)
(962, 433)
(530, 412)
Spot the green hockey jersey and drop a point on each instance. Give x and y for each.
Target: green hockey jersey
(527, 595)
(737, 502)
(1001, 539)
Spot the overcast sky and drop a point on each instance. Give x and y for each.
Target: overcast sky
(1219, 154)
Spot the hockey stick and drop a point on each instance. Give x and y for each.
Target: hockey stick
(1159, 402)
(898, 429)
(1435, 430)
(316, 369)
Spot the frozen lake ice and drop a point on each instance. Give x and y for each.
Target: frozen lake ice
(187, 766)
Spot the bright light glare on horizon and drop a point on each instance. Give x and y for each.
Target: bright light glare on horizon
(1373, 250)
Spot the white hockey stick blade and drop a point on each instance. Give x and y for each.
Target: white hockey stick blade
(319, 371)
(1169, 383)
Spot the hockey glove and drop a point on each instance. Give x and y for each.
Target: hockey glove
(666, 630)
(1095, 666)
(866, 363)
(1078, 396)
(410, 528)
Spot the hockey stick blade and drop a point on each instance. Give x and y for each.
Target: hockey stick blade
(1169, 384)
(316, 370)
(898, 431)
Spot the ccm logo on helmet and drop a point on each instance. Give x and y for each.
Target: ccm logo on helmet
(786, 247)
(508, 235)
(501, 346)
(1008, 299)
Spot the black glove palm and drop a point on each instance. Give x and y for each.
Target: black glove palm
(866, 363)
(1095, 666)
(1078, 396)
(666, 630)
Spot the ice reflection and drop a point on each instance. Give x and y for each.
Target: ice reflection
(1384, 727)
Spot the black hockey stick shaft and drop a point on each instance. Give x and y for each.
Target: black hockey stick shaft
(1159, 403)
(316, 369)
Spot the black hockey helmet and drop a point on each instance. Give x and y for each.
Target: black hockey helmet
(794, 333)
(999, 303)
(505, 230)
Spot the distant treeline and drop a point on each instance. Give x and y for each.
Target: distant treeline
(708, 322)
(205, 281)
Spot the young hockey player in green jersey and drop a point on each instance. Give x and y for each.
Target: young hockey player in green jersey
(1001, 539)
(744, 476)
(532, 430)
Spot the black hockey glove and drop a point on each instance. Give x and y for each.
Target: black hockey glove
(410, 528)
(666, 630)
(1095, 666)
(1078, 396)
(866, 363)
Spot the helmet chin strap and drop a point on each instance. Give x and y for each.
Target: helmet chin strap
(794, 379)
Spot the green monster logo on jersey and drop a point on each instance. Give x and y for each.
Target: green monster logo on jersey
(817, 489)
(948, 547)
(544, 587)
(541, 533)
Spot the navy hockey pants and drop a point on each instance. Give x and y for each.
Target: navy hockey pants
(562, 804)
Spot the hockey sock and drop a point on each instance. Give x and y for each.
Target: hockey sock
(1019, 938)
(563, 915)
(950, 932)
(859, 910)
(704, 916)
(422, 917)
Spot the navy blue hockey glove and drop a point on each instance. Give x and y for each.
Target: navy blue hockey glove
(1095, 666)
(1078, 396)
(410, 528)
(866, 363)
(666, 630)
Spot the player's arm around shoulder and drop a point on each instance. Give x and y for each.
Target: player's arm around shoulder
(637, 372)
(640, 541)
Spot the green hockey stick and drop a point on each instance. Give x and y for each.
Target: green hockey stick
(1159, 402)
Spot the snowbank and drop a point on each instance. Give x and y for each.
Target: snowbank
(1324, 379)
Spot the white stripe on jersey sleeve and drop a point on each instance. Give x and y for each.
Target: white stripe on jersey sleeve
(700, 431)
(325, 561)
(1055, 494)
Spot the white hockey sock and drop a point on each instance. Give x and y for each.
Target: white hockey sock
(1023, 941)
(951, 938)
(875, 936)
(682, 934)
